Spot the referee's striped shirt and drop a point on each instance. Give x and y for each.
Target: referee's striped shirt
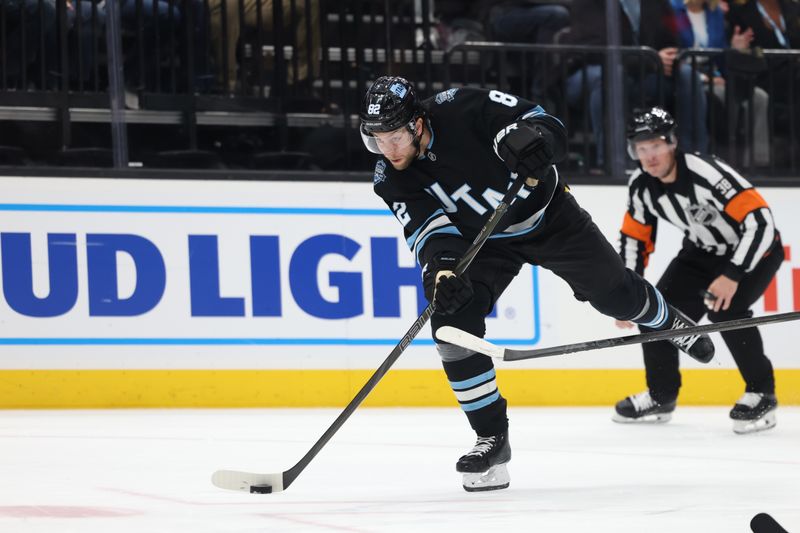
(717, 209)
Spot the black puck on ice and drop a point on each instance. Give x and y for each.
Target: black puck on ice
(260, 489)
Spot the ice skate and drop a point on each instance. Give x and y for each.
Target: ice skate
(495, 478)
(754, 411)
(643, 409)
(698, 347)
(484, 467)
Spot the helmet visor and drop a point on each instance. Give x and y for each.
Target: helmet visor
(389, 142)
(643, 147)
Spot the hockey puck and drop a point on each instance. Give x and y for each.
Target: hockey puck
(260, 489)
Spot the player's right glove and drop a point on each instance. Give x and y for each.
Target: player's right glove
(448, 292)
(525, 150)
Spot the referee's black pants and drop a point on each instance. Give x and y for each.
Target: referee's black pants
(691, 272)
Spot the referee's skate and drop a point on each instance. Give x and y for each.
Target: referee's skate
(754, 412)
(643, 408)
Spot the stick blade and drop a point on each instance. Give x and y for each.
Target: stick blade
(469, 341)
(247, 481)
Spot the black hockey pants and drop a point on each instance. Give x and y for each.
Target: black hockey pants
(690, 272)
(569, 244)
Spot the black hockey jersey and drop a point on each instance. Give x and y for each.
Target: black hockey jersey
(716, 208)
(445, 197)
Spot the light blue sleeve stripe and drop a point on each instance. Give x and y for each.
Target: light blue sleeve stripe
(535, 112)
(452, 230)
(471, 382)
(661, 317)
(522, 232)
(538, 111)
(410, 241)
(473, 406)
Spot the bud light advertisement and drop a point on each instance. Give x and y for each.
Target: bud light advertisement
(138, 262)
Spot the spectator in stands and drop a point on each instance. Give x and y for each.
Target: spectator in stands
(296, 20)
(160, 24)
(775, 24)
(80, 24)
(645, 23)
(457, 22)
(28, 23)
(701, 24)
(528, 21)
(32, 27)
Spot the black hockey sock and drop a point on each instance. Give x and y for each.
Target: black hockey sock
(473, 381)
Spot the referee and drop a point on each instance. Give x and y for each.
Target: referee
(731, 251)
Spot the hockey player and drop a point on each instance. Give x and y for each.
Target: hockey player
(730, 252)
(446, 163)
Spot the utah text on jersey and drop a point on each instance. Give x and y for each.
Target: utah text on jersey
(443, 200)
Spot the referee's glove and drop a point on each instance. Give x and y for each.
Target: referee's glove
(448, 292)
(525, 150)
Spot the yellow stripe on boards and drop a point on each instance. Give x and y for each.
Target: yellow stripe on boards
(24, 389)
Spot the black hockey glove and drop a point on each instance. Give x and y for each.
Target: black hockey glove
(448, 292)
(525, 150)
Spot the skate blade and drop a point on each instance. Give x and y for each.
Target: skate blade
(743, 427)
(495, 478)
(658, 418)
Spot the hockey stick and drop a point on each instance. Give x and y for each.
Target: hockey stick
(268, 483)
(471, 342)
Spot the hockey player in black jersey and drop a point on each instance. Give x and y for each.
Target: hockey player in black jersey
(446, 163)
(731, 251)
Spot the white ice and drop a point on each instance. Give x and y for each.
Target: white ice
(573, 470)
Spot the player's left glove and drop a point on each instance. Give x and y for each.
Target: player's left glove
(448, 292)
(525, 150)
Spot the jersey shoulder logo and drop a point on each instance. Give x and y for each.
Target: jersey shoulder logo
(446, 96)
(702, 214)
(380, 172)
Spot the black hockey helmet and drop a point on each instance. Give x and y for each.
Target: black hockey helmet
(390, 103)
(646, 124)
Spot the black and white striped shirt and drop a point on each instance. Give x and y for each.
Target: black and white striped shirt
(717, 209)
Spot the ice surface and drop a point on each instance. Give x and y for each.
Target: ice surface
(392, 470)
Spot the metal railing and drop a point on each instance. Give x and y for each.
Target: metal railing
(753, 112)
(513, 67)
(200, 72)
(188, 63)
